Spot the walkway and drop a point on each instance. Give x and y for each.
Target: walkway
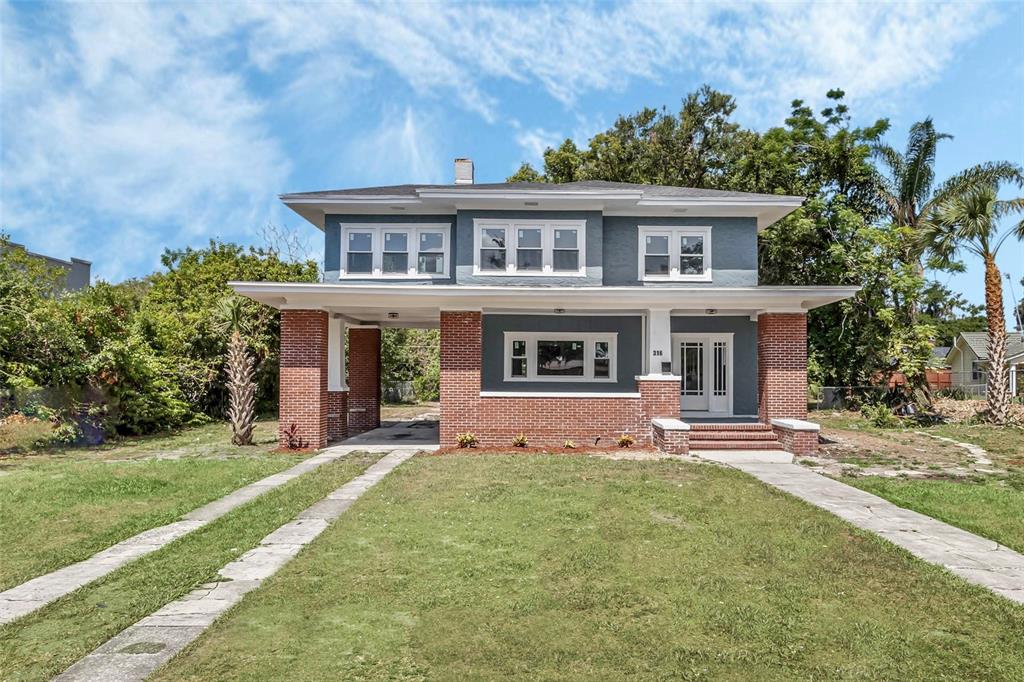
(34, 594)
(973, 558)
(140, 649)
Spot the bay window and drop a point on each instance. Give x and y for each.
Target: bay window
(555, 356)
(394, 251)
(675, 253)
(512, 247)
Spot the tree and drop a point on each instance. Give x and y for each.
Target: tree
(908, 187)
(239, 369)
(970, 221)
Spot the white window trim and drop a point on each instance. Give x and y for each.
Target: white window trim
(413, 230)
(588, 338)
(674, 232)
(548, 228)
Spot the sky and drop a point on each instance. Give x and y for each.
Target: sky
(127, 128)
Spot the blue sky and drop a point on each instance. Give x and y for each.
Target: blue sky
(127, 128)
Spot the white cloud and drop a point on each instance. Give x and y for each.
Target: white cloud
(160, 123)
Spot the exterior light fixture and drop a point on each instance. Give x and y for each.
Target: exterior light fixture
(559, 311)
(392, 316)
(711, 311)
(679, 210)
(397, 208)
(530, 203)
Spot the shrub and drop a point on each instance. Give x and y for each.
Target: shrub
(291, 435)
(466, 440)
(519, 441)
(880, 415)
(625, 440)
(569, 445)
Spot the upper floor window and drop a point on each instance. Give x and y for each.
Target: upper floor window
(394, 251)
(503, 247)
(675, 253)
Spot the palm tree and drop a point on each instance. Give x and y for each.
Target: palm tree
(239, 367)
(970, 221)
(908, 190)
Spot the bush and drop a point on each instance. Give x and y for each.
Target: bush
(466, 440)
(519, 441)
(569, 445)
(880, 415)
(625, 440)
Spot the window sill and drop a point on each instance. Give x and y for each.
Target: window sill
(694, 278)
(556, 394)
(396, 277)
(498, 273)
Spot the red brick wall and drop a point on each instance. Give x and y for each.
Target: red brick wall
(672, 442)
(782, 365)
(303, 390)
(363, 379)
(337, 415)
(658, 398)
(544, 421)
(797, 442)
(460, 373)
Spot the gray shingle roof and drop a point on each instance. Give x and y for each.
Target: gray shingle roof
(978, 342)
(595, 185)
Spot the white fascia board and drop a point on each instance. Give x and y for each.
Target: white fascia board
(458, 297)
(518, 195)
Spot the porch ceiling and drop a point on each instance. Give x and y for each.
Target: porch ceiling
(420, 305)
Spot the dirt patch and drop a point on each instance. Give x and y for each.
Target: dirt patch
(506, 450)
(971, 411)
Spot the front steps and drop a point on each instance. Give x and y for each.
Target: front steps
(722, 436)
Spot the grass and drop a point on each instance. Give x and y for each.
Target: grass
(48, 641)
(567, 567)
(991, 507)
(61, 508)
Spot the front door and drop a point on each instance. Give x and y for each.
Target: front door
(704, 365)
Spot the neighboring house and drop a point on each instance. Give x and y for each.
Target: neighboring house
(968, 361)
(77, 271)
(576, 311)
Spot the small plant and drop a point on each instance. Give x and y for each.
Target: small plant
(292, 437)
(466, 440)
(519, 441)
(625, 440)
(569, 445)
(880, 415)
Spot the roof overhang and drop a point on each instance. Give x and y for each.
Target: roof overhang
(430, 201)
(414, 304)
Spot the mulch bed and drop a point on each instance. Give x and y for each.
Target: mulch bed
(509, 449)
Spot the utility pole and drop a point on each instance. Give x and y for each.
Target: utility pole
(1016, 308)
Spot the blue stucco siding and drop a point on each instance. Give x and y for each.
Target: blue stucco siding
(629, 348)
(464, 241)
(332, 243)
(733, 250)
(744, 353)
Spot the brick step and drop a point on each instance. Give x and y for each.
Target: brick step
(732, 435)
(735, 445)
(730, 427)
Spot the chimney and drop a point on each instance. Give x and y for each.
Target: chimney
(463, 171)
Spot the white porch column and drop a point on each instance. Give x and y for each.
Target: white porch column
(659, 340)
(336, 354)
(1013, 379)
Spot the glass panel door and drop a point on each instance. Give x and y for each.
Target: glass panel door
(693, 385)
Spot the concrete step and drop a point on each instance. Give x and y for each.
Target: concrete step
(722, 426)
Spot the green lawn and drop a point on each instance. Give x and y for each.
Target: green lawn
(991, 507)
(567, 567)
(59, 508)
(48, 641)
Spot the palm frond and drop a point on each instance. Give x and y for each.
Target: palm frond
(919, 174)
(992, 173)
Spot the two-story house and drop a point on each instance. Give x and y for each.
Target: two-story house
(576, 311)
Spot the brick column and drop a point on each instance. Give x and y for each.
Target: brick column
(782, 366)
(363, 379)
(303, 379)
(337, 415)
(659, 397)
(460, 373)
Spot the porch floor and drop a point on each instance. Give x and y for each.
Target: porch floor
(422, 431)
(720, 420)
